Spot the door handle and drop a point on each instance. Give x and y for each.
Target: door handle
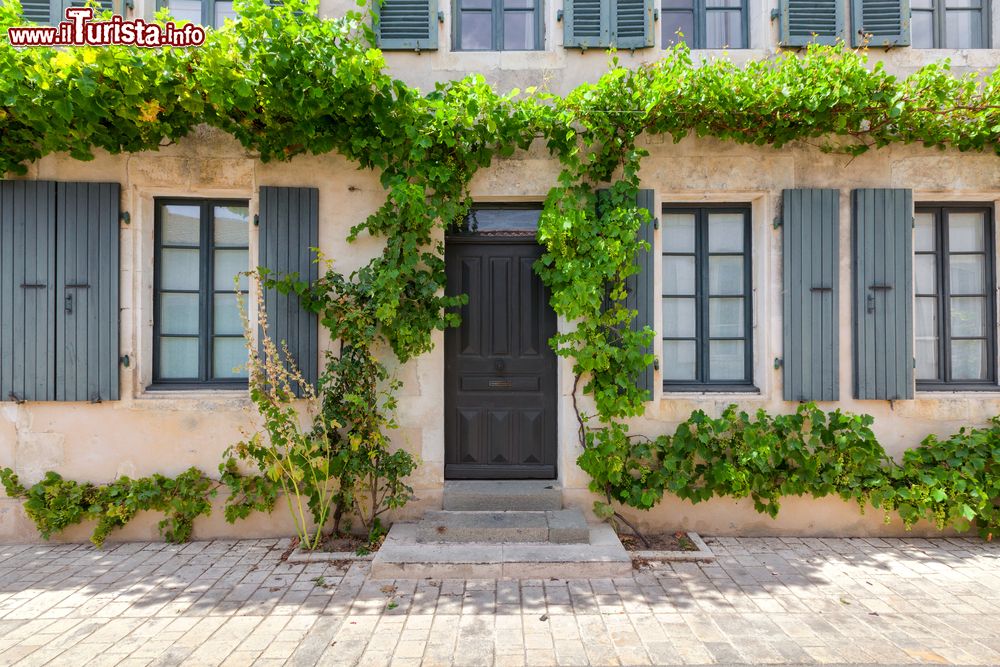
(68, 301)
(498, 364)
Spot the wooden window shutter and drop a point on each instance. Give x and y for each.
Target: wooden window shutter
(87, 277)
(289, 230)
(883, 293)
(881, 22)
(640, 287)
(632, 27)
(810, 320)
(406, 24)
(587, 24)
(38, 11)
(27, 290)
(804, 22)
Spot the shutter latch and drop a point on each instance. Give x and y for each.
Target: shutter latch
(775, 14)
(778, 363)
(14, 397)
(559, 15)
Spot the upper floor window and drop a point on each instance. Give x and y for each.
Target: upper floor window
(949, 24)
(705, 24)
(498, 25)
(955, 323)
(201, 246)
(53, 11)
(203, 12)
(707, 308)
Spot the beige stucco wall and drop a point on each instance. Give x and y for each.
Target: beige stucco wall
(164, 432)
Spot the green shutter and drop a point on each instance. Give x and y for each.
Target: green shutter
(406, 24)
(289, 230)
(639, 286)
(59, 8)
(810, 321)
(886, 21)
(883, 293)
(37, 11)
(87, 315)
(632, 24)
(587, 24)
(805, 22)
(27, 289)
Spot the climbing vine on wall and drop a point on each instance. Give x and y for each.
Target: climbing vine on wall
(284, 82)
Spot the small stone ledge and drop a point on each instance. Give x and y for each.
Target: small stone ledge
(704, 553)
(305, 556)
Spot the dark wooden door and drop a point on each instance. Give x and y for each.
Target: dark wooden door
(500, 373)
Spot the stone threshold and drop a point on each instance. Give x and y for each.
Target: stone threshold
(704, 553)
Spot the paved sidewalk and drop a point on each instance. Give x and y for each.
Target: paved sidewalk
(786, 601)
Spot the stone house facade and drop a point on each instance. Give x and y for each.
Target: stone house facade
(722, 286)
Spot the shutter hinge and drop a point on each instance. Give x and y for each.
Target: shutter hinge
(656, 14)
(777, 222)
(256, 219)
(559, 15)
(440, 16)
(914, 362)
(14, 397)
(778, 362)
(656, 363)
(775, 14)
(125, 361)
(656, 223)
(125, 217)
(130, 4)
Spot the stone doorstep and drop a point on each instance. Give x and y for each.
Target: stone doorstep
(502, 495)
(402, 557)
(558, 527)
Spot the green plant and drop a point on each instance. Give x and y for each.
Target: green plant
(56, 503)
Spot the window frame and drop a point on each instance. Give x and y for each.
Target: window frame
(939, 23)
(943, 382)
(207, 11)
(700, 12)
(496, 36)
(206, 246)
(701, 383)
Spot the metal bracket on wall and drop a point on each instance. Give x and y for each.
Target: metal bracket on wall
(778, 363)
(125, 218)
(256, 219)
(559, 15)
(125, 361)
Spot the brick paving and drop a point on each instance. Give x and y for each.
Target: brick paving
(765, 600)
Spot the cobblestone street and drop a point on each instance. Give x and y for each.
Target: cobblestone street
(789, 601)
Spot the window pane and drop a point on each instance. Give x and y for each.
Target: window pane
(725, 318)
(477, 4)
(223, 11)
(724, 29)
(678, 232)
(678, 318)
(725, 232)
(968, 316)
(968, 359)
(678, 360)
(965, 232)
(179, 225)
(922, 30)
(179, 358)
(678, 4)
(185, 10)
(476, 31)
(725, 360)
(925, 275)
(677, 22)
(518, 31)
(179, 269)
(967, 272)
(733, 4)
(506, 219)
(179, 314)
(964, 29)
(226, 315)
(725, 275)
(924, 238)
(925, 321)
(921, 4)
(227, 264)
(518, 4)
(927, 359)
(678, 275)
(229, 358)
(230, 226)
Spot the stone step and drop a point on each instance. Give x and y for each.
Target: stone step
(403, 557)
(500, 496)
(558, 527)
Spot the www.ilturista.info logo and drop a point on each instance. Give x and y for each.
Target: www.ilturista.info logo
(79, 30)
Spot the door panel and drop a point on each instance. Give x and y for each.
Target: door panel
(500, 373)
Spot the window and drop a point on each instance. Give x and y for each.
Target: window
(707, 309)
(51, 12)
(498, 25)
(949, 24)
(203, 12)
(201, 245)
(953, 288)
(705, 24)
